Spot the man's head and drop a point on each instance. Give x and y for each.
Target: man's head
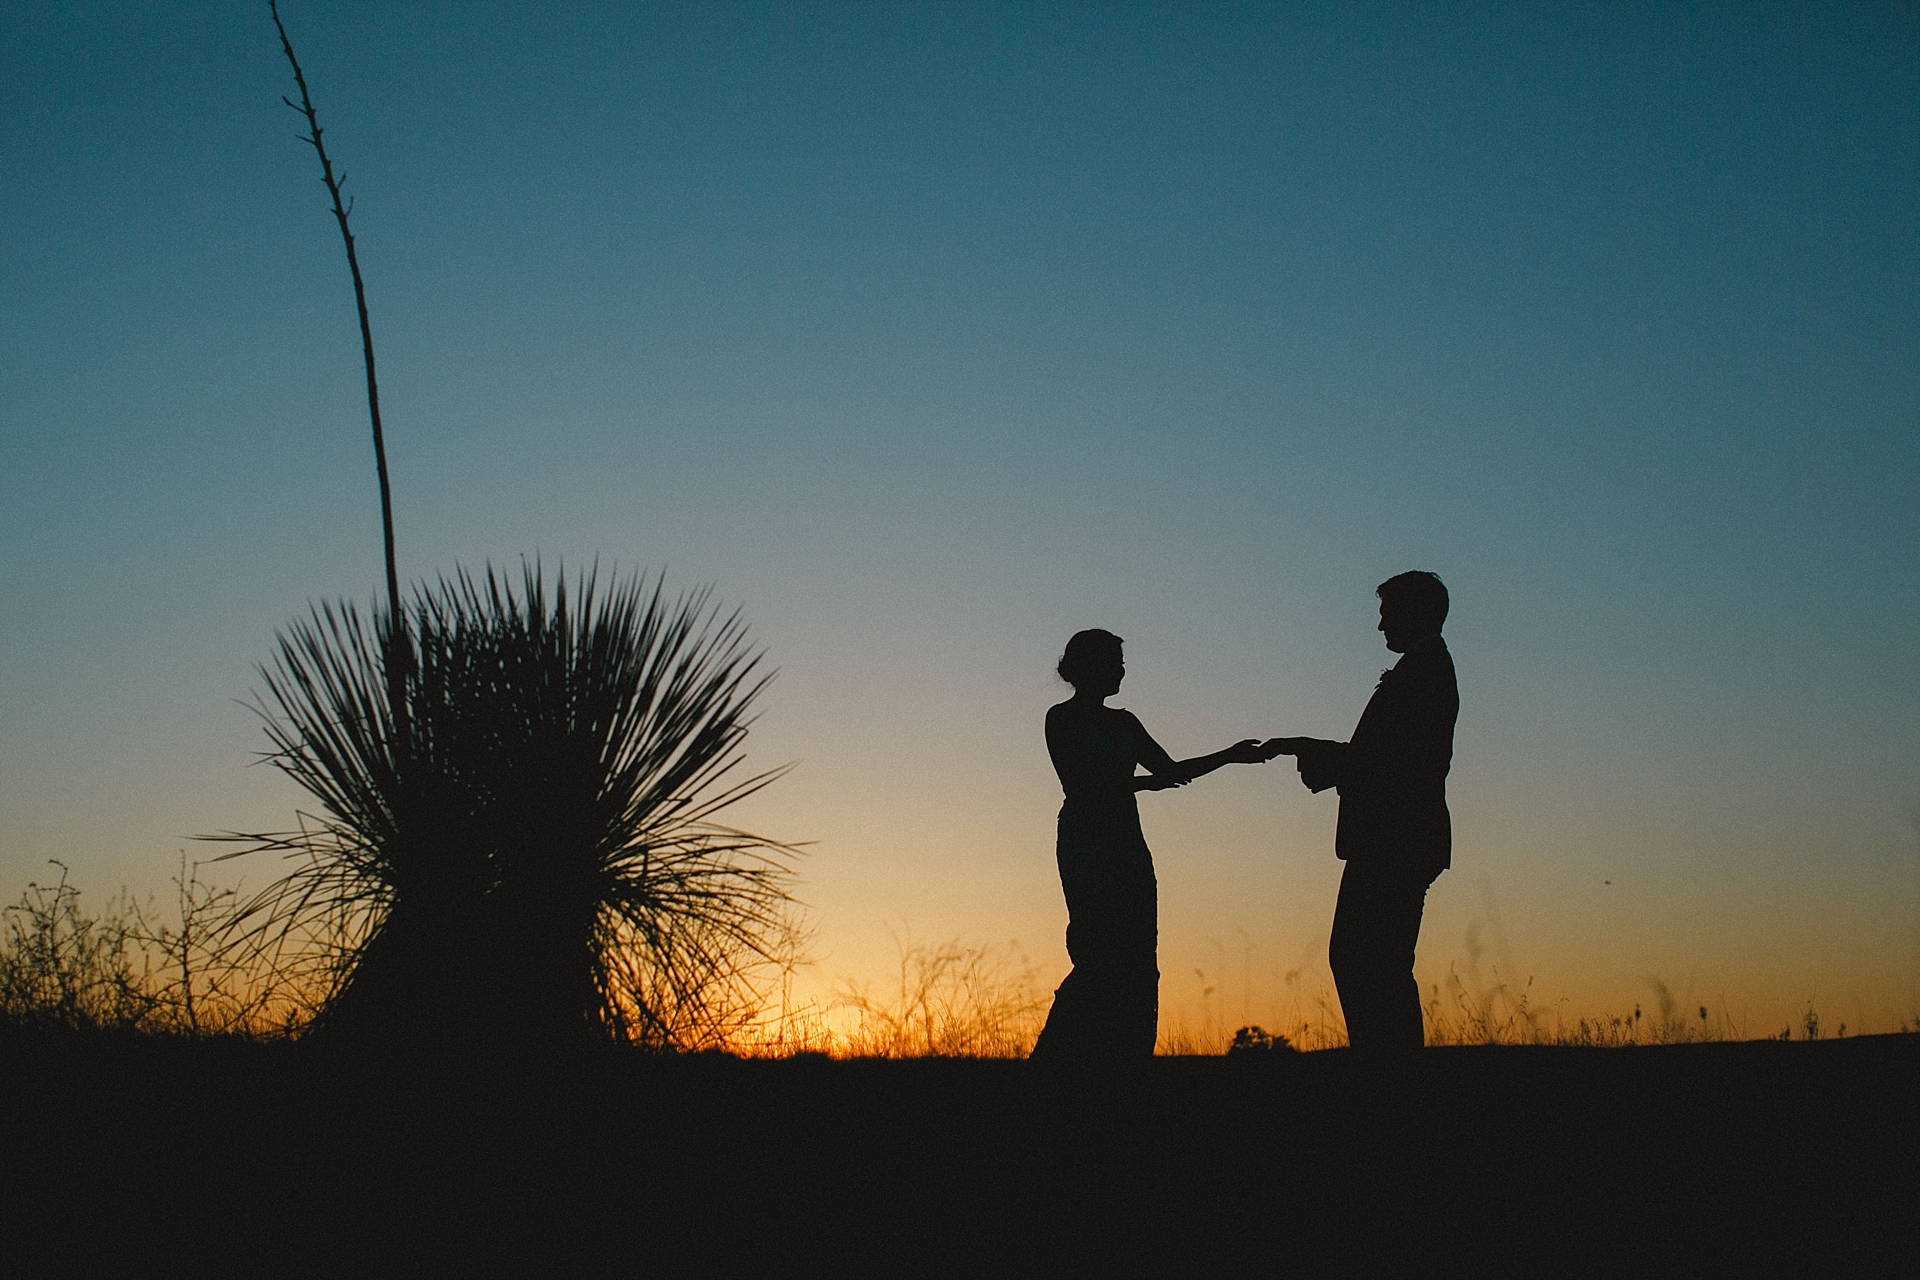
(1412, 605)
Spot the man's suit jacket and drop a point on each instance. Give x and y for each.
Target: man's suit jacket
(1392, 775)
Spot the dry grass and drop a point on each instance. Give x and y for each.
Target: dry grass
(949, 1000)
(142, 968)
(128, 968)
(953, 1001)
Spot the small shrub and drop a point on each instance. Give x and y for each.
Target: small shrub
(1257, 1040)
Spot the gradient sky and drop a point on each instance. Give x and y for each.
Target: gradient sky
(931, 334)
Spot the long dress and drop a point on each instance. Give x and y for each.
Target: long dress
(1109, 1005)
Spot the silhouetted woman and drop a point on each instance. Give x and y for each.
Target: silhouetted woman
(1109, 1004)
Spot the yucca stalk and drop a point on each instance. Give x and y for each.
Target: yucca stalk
(548, 861)
(398, 653)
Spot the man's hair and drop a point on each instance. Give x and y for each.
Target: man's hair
(1418, 596)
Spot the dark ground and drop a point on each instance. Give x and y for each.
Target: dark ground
(128, 1156)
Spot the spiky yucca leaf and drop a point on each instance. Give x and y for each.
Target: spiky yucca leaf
(539, 855)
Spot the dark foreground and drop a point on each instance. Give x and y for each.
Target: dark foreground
(127, 1156)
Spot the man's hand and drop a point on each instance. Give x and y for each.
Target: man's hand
(1319, 762)
(1247, 751)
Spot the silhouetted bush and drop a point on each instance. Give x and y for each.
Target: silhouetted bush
(1257, 1040)
(530, 850)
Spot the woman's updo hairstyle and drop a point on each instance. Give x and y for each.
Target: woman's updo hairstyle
(1087, 650)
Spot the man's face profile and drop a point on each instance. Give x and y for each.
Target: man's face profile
(1395, 627)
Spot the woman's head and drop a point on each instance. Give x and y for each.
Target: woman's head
(1092, 660)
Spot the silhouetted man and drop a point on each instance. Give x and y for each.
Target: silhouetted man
(1395, 833)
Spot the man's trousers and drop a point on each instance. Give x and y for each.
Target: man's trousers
(1375, 926)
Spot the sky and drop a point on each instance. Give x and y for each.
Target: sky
(931, 334)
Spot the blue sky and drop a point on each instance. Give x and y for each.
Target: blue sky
(934, 333)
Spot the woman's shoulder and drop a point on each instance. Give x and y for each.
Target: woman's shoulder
(1063, 718)
(1112, 723)
(1104, 716)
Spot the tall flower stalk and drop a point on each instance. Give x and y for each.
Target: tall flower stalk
(394, 638)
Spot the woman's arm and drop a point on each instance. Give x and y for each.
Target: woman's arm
(1245, 751)
(1168, 772)
(1162, 773)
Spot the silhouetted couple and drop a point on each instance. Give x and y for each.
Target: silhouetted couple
(1394, 833)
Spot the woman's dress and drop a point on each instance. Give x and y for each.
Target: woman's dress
(1109, 1005)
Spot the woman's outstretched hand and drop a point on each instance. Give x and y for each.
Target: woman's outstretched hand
(1248, 751)
(1178, 773)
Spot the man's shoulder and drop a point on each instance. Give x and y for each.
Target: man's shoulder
(1422, 674)
(1430, 657)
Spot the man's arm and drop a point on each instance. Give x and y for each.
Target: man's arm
(1322, 763)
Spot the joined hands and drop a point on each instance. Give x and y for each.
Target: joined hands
(1247, 751)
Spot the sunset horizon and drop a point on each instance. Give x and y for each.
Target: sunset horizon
(931, 336)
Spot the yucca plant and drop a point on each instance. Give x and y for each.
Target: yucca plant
(539, 856)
